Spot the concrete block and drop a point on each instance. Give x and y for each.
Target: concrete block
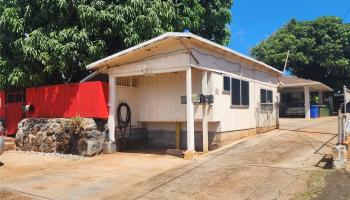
(339, 156)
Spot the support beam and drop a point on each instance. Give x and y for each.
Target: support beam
(307, 102)
(320, 98)
(178, 127)
(112, 107)
(190, 115)
(205, 112)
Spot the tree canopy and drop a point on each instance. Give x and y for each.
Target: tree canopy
(48, 42)
(319, 50)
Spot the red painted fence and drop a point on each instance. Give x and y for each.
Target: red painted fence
(2, 105)
(69, 100)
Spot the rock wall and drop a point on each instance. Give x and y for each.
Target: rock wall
(79, 136)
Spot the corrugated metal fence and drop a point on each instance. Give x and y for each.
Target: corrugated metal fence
(87, 99)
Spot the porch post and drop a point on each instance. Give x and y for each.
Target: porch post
(205, 113)
(190, 117)
(320, 97)
(112, 107)
(307, 102)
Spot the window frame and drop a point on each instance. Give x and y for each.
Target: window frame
(223, 84)
(266, 106)
(266, 96)
(240, 105)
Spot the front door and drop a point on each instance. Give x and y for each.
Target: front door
(14, 103)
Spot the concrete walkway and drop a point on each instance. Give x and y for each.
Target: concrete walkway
(274, 165)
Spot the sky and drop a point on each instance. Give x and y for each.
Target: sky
(254, 20)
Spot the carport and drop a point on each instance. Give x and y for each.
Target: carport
(297, 93)
(163, 70)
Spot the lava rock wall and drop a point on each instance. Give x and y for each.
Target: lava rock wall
(79, 136)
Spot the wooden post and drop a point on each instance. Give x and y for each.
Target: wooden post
(178, 126)
(190, 117)
(112, 107)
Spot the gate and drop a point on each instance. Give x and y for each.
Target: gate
(14, 103)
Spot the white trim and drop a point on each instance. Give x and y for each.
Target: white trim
(317, 84)
(223, 84)
(112, 106)
(205, 112)
(151, 72)
(190, 112)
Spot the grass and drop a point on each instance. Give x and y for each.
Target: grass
(314, 185)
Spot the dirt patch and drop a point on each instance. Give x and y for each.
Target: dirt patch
(314, 186)
(337, 186)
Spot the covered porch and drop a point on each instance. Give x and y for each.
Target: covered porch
(298, 95)
(162, 77)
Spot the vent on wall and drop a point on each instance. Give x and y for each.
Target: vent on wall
(126, 81)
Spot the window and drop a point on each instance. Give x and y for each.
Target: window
(14, 98)
(126, 81)
(226, 86)
(265, 96)
(239, 92)
(266, 100)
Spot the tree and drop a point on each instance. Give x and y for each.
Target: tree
(320, 50)
(48, 42)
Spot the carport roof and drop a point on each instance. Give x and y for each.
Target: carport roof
(292, 81)
(178, 35)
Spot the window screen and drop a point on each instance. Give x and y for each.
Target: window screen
(245, 93)
(227, 84)
(269, 96)
(265, 96)
(235, 92)
(262, 96)
(239, 92)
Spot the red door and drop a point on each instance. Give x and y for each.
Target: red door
(14, 103)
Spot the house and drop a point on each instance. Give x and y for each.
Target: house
(298, 94)
(160, 80)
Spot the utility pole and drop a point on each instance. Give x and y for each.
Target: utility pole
(285, 64)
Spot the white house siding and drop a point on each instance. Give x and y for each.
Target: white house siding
(128, 94)
(232, 118)
(157, 100)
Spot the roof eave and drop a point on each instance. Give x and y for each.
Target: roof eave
(104, 61)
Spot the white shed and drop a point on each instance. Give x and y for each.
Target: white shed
(156, 76)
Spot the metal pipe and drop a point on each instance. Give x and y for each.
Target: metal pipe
(340, 127)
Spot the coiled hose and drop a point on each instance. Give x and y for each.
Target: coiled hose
(124, 123)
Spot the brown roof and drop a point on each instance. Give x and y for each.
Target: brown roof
(292, 81)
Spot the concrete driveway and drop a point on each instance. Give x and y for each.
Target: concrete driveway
(274, 165)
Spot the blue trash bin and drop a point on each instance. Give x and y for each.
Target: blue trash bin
(314, 111)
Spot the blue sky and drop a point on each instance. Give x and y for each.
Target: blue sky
(254, 20)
